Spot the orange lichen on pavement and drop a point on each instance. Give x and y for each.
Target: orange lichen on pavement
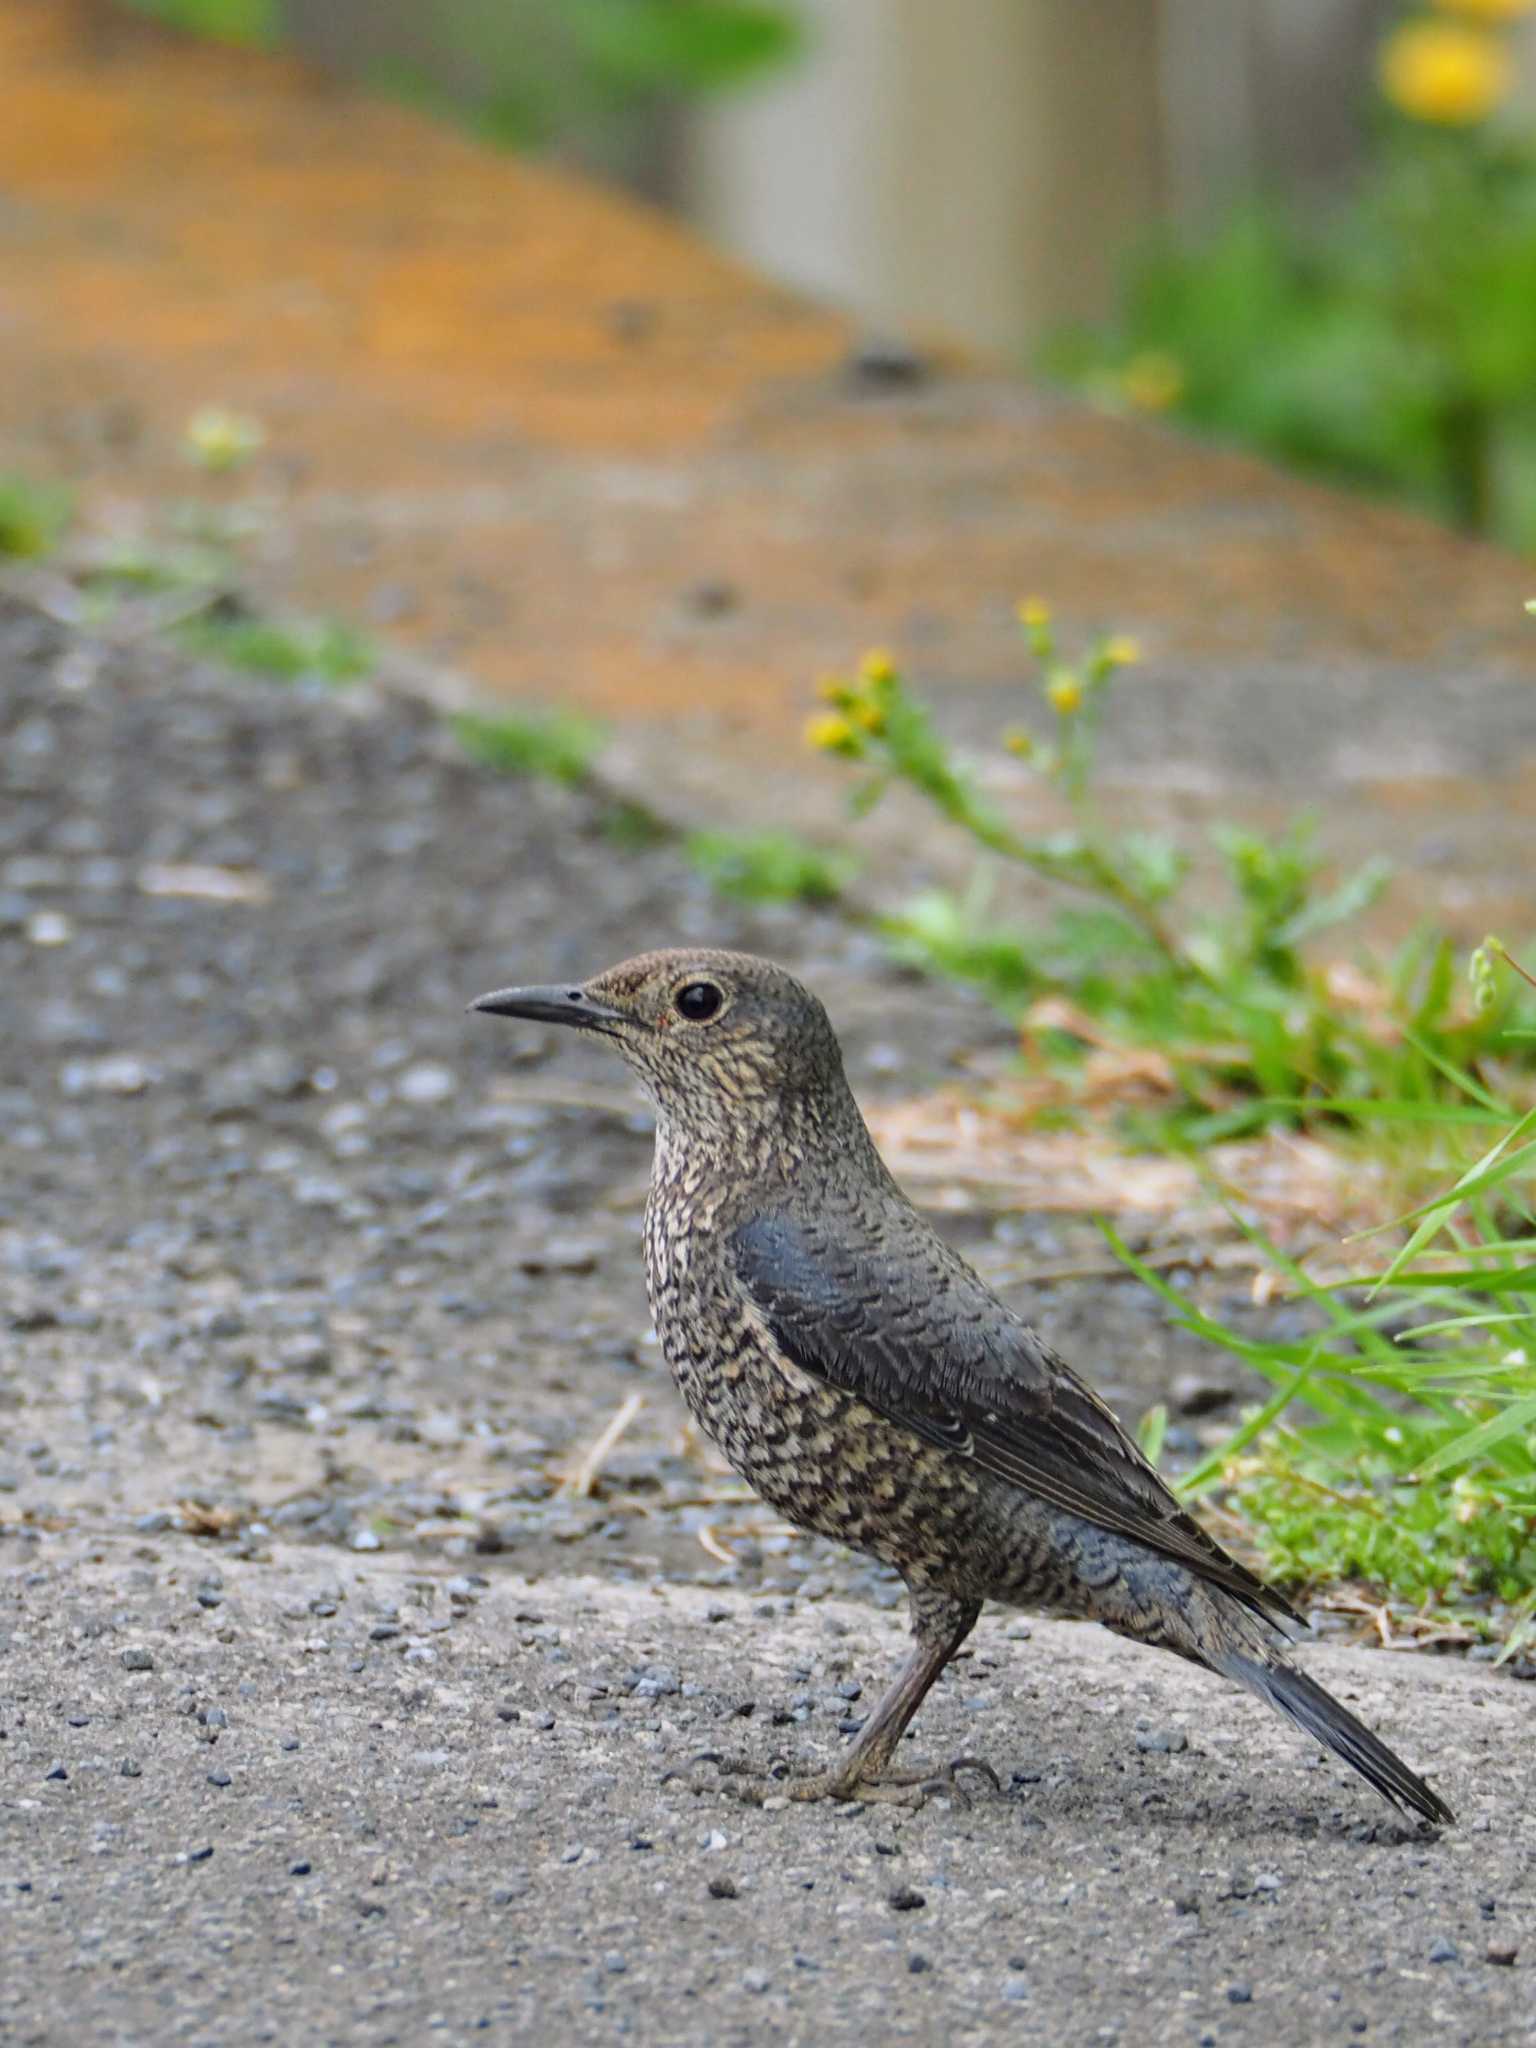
(539, 433)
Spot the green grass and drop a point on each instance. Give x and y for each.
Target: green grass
(559, 746)
(33, 516)
(295, 650)
(1398, 1448)
(770, 867)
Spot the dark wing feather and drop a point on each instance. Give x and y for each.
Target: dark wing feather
(896, 1319)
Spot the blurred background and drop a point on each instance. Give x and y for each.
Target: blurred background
(1309, 225)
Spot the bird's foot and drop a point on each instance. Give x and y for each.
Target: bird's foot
(913, 1788)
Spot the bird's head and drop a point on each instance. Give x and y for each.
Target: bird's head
(719, 1040)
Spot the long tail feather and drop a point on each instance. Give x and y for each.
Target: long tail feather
(1305, 1702)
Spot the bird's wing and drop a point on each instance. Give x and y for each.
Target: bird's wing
(900, 1322)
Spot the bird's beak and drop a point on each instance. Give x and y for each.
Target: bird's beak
(557, 1004)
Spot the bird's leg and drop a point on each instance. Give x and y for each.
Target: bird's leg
(940, 1624)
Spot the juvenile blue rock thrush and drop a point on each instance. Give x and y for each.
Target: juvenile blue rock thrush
(869, 1385)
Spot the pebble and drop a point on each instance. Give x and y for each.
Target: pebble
(1162, 1741)
(1443, 1950)
(130, 1767)
(136, 1658)
(220, 1778)
(722, 1888)
(300, 1869)
(1016, 1989)
(426, 1085)
(905, 1900)
(1239, 1994)
(755, 1980)
(1501, 1952)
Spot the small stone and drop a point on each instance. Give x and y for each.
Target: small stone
(614, 1963)
(1016, 1990)
(58, 1771)
(196, 1855)
(917, 1965)
(884, 362)
(1239, 1994)
(754, 1980)
(1161, 1741)
(136, 1658)
(49, 928)
(365, 1539)
(1442, 1950)
(905, 1900)
(1501, 1952)
(305, 1353)
(723, 1888)
(299, 1869)
(544, 1720)
(130, 1767)
(220, 1778)
(426, 1085)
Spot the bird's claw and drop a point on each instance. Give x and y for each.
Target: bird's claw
(754, 1783)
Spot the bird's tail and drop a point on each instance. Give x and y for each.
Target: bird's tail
(1305, 1702)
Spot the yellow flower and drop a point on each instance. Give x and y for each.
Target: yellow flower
(1152, 381)
(1019, 742)
(833, 690)
(868, 715)
(878, 666)
(1033, 611)
(1443, 72)
(220, 439)
(1065, 692)
(1122, 651)
(1491, 11)
(832, 733)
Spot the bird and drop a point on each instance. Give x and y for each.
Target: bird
(870, 1387)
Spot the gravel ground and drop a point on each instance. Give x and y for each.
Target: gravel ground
(326, 1715)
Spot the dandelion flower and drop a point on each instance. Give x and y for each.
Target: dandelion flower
(1065, 692)
(1444, 72)
(1033, 612)
(1122, 651)
(878, 666)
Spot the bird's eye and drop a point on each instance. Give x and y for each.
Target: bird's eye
(697, 1001)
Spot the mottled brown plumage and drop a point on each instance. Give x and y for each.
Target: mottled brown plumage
(869, 1385)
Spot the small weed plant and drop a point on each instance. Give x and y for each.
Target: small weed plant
(556, 745)
(1251, 1030)
(769, 867)
(33, 516)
